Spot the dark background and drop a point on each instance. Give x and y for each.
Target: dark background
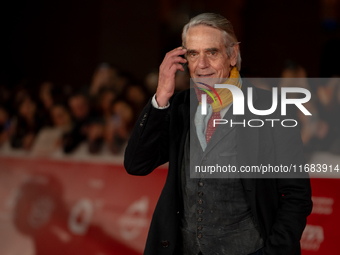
(63, 41)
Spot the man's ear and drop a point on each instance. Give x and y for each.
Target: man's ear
(233, 59)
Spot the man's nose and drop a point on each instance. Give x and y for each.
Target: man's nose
(203, 61)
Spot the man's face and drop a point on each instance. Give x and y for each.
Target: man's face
(206, 53)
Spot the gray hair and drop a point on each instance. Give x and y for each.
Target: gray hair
(221, 23)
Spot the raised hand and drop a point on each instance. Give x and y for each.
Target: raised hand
(167, 70)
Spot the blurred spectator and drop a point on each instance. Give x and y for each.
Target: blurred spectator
(45, 95)
(329, 107)
(136, 96)
(109, 77)
(95, 135)
(4, 125)
(18, 96)
(104, 100)
(261, 83)
(61, 117)
(104, 76)
(96, 128)
(122, 81)
(79, 105)
(119, 128)
(313, 129)
(293, 70)
(151, 82)
(293, 75)
(49, 138)
(80, 111)
(4, 96)
(49, 94)
(27, 124)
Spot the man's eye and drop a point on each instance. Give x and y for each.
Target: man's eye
(193, 54)
(213, 52)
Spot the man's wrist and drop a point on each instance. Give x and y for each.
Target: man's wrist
(156, 105)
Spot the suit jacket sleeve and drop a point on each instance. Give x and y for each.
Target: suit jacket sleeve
(148, 146)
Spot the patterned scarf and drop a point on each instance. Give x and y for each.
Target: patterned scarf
(221, 99)
(224, 94)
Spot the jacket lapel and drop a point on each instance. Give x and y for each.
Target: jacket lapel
(247, 137)
(221, 131)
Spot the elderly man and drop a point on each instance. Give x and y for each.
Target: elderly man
(233, 216)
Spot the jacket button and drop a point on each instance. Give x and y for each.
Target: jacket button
(200, 201)
(199, 235)
(199, 227)
(200, 184)
(165, 244)
(199, 219)
(200, 193)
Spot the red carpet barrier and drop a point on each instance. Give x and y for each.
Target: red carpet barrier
(65, 207)
(321, 235)
(54, 207)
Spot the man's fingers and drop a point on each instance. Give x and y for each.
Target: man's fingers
(176, 52)
(174, 61)
(173, 57)
(180, 60)
(176, 67)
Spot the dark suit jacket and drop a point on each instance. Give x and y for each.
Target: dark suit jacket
(279, 206)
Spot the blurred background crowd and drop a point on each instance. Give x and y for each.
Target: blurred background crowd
(56, 117)
(76, 78)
